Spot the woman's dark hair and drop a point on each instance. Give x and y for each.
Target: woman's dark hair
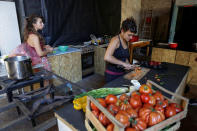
(29, 28)
(129, 24)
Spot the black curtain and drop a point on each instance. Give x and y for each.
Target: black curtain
(72, 21)
(32, 7)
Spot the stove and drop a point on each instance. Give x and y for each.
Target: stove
(84, 48)
(8, 85)
(36, 102)
(87, 58)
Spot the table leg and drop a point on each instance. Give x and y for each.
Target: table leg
(9, 96)
(31, 87)
(41, 84)
(18, 110)
(33, 122)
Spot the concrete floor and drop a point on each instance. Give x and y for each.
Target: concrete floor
(91, 82)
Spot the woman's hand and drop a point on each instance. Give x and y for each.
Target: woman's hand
(127, 66)
(48, 48)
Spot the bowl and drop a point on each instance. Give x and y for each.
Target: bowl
(62, 48)
(173, 45)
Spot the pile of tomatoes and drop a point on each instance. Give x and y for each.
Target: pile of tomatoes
(138, 111)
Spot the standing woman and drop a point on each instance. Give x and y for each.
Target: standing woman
(33, 45)
(117, 53)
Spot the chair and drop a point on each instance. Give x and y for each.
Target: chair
(138, 44)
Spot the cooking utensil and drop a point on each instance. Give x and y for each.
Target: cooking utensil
(18, 67)
(62, 48)
(173, 45)
(94, 39)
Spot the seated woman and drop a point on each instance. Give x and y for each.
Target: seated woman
(117, 53)
(33, 45)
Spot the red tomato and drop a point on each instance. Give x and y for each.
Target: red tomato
(152, 100)
(103, 119)
(124, 113)
(139, 124)
(132, 113)
(158, 96)
(93, 107)
(155, 117)
(164, 103)
(170, 111)
(130, 129)
(145, 98)
(159, 108)
(124, 97)
(145, 89)
(151, 63)
(135, 102)
(123, 119)
(124, 105)
(151, 116)
(113, 108)
(147, 105)
(111, 99)
(136, 94)
(96, 113)
(176, 106)
(101, 101)
(110, 127)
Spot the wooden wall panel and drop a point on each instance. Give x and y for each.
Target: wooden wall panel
(99, 63)
(156, 54)
(168, 55)
(193, 60)
(193, 73)
(131, 8)
(182, 58)
(163, 55)
(192, 77)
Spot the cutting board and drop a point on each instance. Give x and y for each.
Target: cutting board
(136, 75)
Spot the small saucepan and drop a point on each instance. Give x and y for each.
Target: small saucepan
(173, 45)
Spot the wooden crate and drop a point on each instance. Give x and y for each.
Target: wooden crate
(120, 127)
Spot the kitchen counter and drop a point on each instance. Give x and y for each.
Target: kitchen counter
(175, 82)
(66, 64)
(165, 46)
(56, 51)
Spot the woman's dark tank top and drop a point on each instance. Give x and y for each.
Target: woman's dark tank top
(121, 54)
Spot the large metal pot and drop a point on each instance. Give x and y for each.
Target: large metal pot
(18, 67)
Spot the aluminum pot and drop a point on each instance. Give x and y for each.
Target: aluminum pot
(18, 67)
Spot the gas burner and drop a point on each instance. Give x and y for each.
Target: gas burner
(8, 85)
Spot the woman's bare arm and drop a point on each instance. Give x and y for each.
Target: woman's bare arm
(34, 41)
(48, 47)
(113, 45)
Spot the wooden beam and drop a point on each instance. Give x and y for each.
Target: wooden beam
(23, 108)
